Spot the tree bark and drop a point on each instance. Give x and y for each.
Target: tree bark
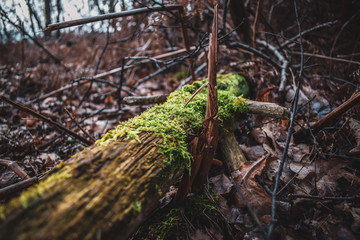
(239, 17)
(107, 190)
(47, 11)
(103, 193)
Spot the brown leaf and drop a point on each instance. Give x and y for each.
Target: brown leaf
(221, 184)
(328, 174)
(253, 153)
(256, 196)
(264, 96)
(329, 185)
(302, 169)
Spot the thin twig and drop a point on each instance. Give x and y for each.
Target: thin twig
(45, 145)
(337, 37)
(325, 198)
(328, 58)
(295, 176)
(308, 31)
(45, 119)
(131, 12)
(257, 52)
(21, 29)
(339, 111)
(252, 213)
(290, 132)
(195, 93)
(15, 168)
(97, 66)
(74, 83)
(6, 191)
(256, 69)
(78, 125)
(153, 74)
(333, 78)
(103, 50)
(44, 96)
(272, 9)
(121, 81)
(281, 58)
(165, 55)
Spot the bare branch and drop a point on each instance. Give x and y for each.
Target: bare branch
(280, 57)
(45, 119)
(132, 12)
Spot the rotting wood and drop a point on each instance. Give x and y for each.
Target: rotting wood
(267, 109)
(339, 111)
(144, 100)
(107, 190)
(230, 150)
(110, 188)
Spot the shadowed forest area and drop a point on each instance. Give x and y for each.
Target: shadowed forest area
(108, 129)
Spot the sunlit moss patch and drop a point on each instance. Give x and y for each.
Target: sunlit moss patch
(172, 121)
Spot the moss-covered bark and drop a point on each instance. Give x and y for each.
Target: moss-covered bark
(108, 189)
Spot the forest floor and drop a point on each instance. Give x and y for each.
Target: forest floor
(318, 195)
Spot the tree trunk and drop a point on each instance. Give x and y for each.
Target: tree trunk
(47, 10)
(107, 190)
(103, 193)
(240, 20)
(59, 10)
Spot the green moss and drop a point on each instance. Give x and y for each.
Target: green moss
(173, 224)
(241, 105)
(179, 75)
(203, 203)
(137, 206)
(172, 219)
(35, 193)
(172, 121)
(2, 212)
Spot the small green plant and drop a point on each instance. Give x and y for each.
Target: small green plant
(137, 206)
(179, 75)
(174, 221)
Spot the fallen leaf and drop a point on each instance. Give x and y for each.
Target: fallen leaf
(256, 196)
(302, 169)
(221, 184)
(253, 153)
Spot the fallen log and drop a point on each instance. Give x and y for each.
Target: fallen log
(108, 189)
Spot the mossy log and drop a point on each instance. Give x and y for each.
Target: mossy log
(108, 189)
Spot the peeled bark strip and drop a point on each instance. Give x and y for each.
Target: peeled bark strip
(107, 190)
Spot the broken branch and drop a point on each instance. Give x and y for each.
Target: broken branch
(45, 119)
